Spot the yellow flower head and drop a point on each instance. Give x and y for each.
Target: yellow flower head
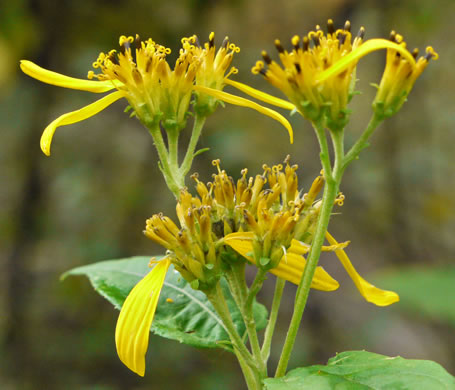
(399, 76)
(301, 67)
(153, 89)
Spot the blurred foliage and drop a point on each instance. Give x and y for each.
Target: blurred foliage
(425, 293)
(89, 201)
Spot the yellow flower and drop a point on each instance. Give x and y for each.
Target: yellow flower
(141, 74)
(399, 76)
(318, 74)
(136, 316)
(292, 265)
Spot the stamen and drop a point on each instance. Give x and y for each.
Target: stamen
(266, 57)
(430, 53)
(225, 43)
(295, 42)
(330, 27)
(278, 46)
(341, 39)
(361, 33)
(415, 53)
(347, 26)
(306, 43)
(315, 39)
(392, 35)
(212, 39)
(137, 42)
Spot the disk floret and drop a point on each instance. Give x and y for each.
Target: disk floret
(214, 68)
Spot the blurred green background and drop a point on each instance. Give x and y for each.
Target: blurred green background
(89, 200)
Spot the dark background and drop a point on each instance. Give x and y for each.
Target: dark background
(89, 200)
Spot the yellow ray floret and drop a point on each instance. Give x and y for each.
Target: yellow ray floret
(76, 116)
(265, 97)
(239, 101)
(291, 266)
(60, 80)
(133, 325)
(361, 51)
(369, 292)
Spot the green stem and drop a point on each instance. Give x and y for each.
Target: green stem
(250, 378)
(330, 192)
(173, 184)
(279, 287)
(362, 142)
(324, 154)
(245, 300)
(196, 133)
(173, 143)
(216, 298)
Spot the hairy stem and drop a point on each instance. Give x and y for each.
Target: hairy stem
(195, 134)
(362, 142)
(279, 287)
(173, 183)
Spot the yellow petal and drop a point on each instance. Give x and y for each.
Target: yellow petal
(265, 97)
(133, 324)
(364, 49)
(60, 80)
(291, 265)
(76, 116)
(369, 292)
(239, 101)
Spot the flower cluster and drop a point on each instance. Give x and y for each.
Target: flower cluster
(270, 226)
(318, 74)
(139, 72)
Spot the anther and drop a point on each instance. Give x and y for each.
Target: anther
(196, 41)
(392, 35)
(113, 58)
(330, 27)
(266, 57)
(225, 43)
(347, 26)
(295, 42)
(415, 53)
(341, 39)
(212, 39)
(306, 43)
(316, 40)
(211, 43)
(125, 45)
(361, 33)
(278, 46)
(428, 55)
(137, 42)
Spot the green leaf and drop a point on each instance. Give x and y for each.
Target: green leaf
(429, 292)
(183, 314)
(361, 370)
